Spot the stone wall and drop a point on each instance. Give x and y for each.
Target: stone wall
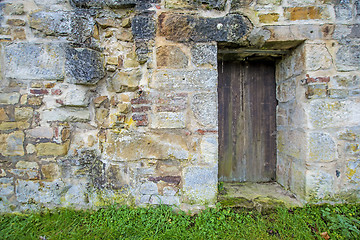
(116, 101)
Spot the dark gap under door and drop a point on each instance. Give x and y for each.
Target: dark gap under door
(247, 121)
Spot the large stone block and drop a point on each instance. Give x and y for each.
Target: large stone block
(322, 147)
(9, 98)
(319, 183)
(52, 23)
(143, 27)
(125, 81)
(286, 91)
(305, 13)
(84, 66)
(204, 107)
(33, 61)
(171, 57)
(333, 113)
(66, 115)
(343, 10)
(40, 132)
(52, 149)
(297, 183)
(51, 192)
(291, 143)
(200, 185)
(184, 28)
(317, 57)
(347, 57)
(23, 113)
(12, 144)
(27, 191)
(132, 147)
(77, 97)
(185, 80)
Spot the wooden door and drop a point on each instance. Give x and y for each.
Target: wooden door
(247, 121)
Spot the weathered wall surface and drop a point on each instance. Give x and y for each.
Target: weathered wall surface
(116, 101)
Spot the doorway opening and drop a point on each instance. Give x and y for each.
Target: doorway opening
(247, 120)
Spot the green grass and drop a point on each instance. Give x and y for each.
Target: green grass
(121, 222)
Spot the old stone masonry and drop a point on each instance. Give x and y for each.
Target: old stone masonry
(116, 101)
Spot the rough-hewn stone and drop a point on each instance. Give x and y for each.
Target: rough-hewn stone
(35, 61)
(184, 28)
(12, 144)
(171, 57)
(52, 149)
(125, 81)
(84, 66)
(143, 27)
(52, 23)
(204, 54)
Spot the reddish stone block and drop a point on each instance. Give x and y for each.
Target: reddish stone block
(317, 79)
(140, 109)
(39, 91)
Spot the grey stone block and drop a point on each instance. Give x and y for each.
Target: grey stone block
(84, 66)
(6, 186)
(52, 23)
(348, 57)
(204, 107)
(27, 191)
(200, 184)
(143, 27)
(35, 61)
(68, 115)
(9, 98)
(344, 10)
(185, 80)
(322, 147)
(203, 54)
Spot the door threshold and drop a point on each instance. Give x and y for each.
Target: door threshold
(260, 196)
